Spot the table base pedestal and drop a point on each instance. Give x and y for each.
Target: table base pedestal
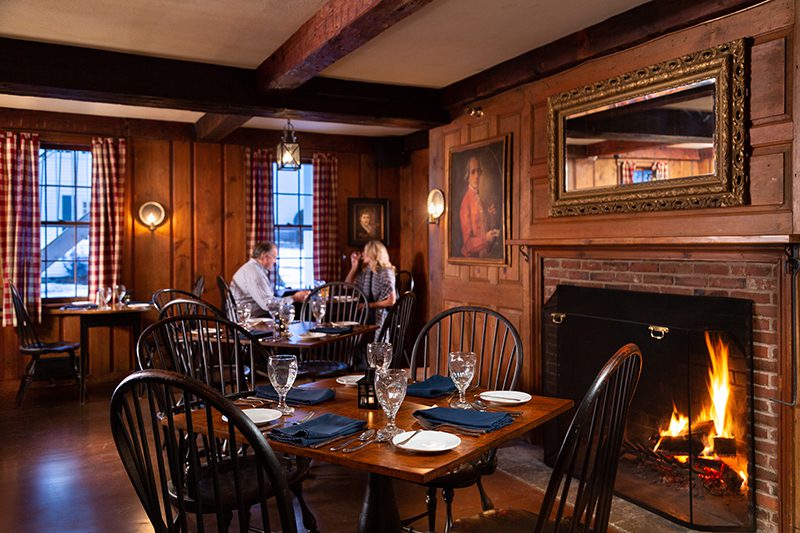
(379, 512)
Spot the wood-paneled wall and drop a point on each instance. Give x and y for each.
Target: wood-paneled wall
(202, 186)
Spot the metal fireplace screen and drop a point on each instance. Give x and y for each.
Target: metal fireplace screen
(689, 445)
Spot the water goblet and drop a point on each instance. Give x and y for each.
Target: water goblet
(273, 306)
(119, 294)
(379, 355)
(282, 371)
(318, 309)
(108, 295)
(286, 315)
(462, 369)
(390, 389)
(243, 314)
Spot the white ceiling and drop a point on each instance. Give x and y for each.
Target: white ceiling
(440, 44)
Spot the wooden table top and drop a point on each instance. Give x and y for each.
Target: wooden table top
(96, 311)
(385, 459)
(299, 328)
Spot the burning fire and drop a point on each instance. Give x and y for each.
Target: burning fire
(713, 428)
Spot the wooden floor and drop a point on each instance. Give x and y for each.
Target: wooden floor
(59, 471)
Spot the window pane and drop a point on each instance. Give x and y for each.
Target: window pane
(84, 169)
(287, 182)
(308, 242)
(308, 210)
(286, 211)
(308, 272)
(307, 179)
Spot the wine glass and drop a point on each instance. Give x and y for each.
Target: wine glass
(390, 388)
(318, 308)
(273, 306)
(282, 370)
(119, 294)
(462, 369)
(108, 296)
(243, 314)
(286, 315)
(379, 355)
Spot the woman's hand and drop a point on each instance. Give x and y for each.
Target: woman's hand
(355, 257)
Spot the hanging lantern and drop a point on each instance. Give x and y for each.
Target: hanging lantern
(288, 153)
(367, 399)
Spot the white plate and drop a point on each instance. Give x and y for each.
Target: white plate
(350, 380)
(427, 441)
(259, 416)
(81, 302)
(138, 306)
(312, 335)
(505, 397)
(345, 323)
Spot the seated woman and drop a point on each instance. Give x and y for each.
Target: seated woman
(375, 279)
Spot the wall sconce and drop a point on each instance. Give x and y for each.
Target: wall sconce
(152, 214)
(435, 205)
(288, 153)
(474, 111)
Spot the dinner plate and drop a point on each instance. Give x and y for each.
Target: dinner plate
(350, 380)
(505, 397)
(138, 306)
(426, 441)
(259, 415)
(81, 302)
(345, 323)
(312, 335)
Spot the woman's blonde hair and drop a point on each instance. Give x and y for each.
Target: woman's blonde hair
(377, 252)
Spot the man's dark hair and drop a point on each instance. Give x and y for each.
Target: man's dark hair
(263, 247)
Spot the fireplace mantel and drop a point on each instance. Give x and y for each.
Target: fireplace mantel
(703, 240)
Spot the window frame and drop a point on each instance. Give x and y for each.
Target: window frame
(299, 227)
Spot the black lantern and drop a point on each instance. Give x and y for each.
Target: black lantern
(366, 391)
(288, 149)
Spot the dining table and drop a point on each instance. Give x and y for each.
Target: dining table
(384, 461)
(303, 338)
(129, 316)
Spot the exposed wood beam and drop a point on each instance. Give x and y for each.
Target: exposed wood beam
(213, 127)
(338, 28)
(622, 31)
(69, 72)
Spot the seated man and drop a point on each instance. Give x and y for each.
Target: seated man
(251, 285)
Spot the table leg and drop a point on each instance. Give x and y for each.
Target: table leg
(84, 360)
(379, 512)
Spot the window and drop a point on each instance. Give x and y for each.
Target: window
(293, 195)
(65, 192)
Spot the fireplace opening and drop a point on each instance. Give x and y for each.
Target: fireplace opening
(688, 452)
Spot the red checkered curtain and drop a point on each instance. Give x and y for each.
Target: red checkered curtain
(325, 226)
(260, 217)
(105, 226)
(20, 222)
(626, 169)
(660, 170)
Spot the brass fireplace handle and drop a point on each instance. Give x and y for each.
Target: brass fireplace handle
(658, 332)
(557, 318)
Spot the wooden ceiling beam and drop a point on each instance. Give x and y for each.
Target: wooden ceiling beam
(213, 127)
(635, 26)
(338, 28)
(68, 72)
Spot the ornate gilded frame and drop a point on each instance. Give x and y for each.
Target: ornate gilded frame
(725, 187)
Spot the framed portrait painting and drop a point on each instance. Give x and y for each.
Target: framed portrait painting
(478, 198)
(367, 220)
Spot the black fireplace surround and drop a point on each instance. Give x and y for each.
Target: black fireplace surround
(582, 327)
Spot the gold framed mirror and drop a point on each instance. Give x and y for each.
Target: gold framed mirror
(667, 136)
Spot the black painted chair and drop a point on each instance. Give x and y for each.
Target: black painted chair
(199, 286)
(162, 297)
(495, 341)
(395, 327)
(184, 480)
(404, 282)
(344, 302)
(586, 466)
(183, 306)
(227, 299)
(41, 368)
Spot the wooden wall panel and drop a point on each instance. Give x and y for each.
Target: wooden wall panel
(182, 267)
(208, 210)
(236, 251)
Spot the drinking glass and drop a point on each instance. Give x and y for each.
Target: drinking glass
(273, 306)
(318, 309)
(108, 295)
(282, 370)
(119, 294)
(243, 314)
(390, 388)
(462, 369)
(379, 355)
(286, 315)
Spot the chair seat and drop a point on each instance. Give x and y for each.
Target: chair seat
(320, 368)
(49, 347)
(465, 475)
(497, 521)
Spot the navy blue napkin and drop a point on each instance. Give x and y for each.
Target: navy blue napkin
(72, 307)
(332, 330)
(298, 396)
(318, 430)
(465, 418)
(258, 333)
(433, 387)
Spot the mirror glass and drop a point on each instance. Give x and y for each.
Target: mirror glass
(664, 135)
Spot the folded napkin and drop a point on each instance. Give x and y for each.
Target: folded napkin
(332, 330)
(79, 306)
(465, 418)
(317, 430)
(433, 387)
(258, 333)
(298, 396)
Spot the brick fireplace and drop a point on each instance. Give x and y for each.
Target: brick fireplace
(755, 275)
